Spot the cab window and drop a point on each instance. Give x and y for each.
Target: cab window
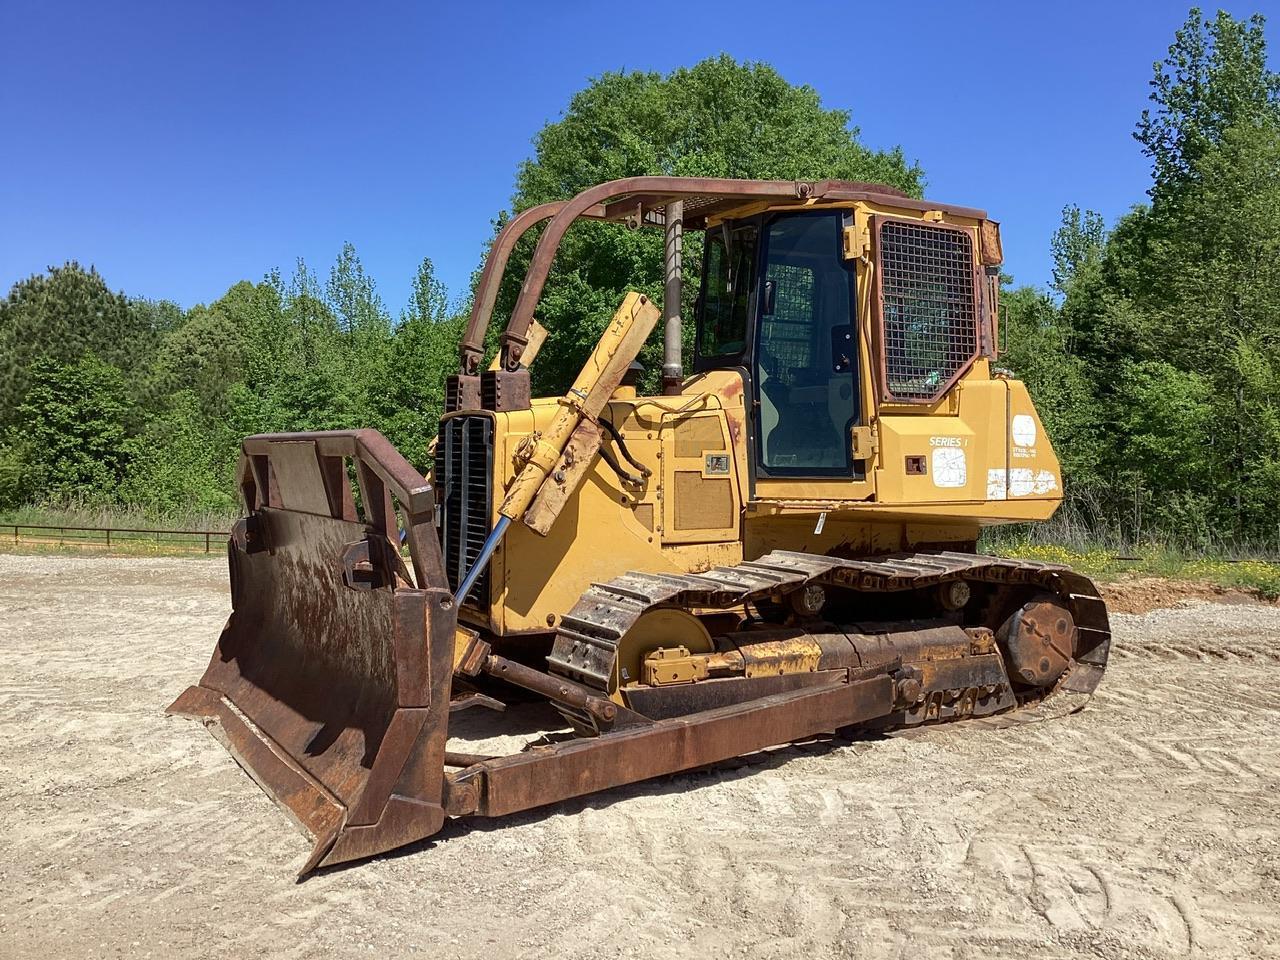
(728, 283)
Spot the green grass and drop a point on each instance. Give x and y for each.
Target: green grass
(134, 549)
(76, 515)
(1100, 562)
(122, 544)
(1079, 536)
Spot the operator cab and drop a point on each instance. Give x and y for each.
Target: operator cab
(778, 302)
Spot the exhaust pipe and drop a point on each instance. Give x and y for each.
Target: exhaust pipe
(672, 360)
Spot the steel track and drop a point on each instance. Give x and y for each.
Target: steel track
(588, 636)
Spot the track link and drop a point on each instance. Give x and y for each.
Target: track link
(587, 639)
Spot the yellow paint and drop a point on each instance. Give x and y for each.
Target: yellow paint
(773, 658)
(657, 628)
(668, 665)
(541, 453)
(988, 461)
(598, 534)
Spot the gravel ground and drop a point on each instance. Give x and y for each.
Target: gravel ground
(1146, 826)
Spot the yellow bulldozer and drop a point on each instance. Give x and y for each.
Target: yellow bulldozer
(780, 545)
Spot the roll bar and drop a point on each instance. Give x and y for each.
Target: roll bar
(471, 351)
(639, 201)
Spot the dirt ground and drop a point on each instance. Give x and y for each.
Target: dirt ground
(1146, 826)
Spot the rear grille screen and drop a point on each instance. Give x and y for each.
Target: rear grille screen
(465, 468)
(928, 315)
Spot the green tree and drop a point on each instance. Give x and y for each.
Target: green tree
(181, 463)
(203, 355)
(1077, 245)
(352, 296)
(1214, 78)
(61, 315)
(423, 352)
(1165, 450)
(1175, 313)
(74, 438)
(366, 327)
(313, 350)
(1226, 233)
(14, 490)
(1256, 490)
(158, 316)
(1218, 251)
(263, 338)
(1037, 349)
(429, 299)
(1212, 280)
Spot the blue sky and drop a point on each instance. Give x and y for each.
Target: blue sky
(181, 147)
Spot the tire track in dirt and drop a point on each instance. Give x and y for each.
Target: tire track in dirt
(1144, 826)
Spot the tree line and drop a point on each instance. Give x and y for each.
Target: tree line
(1153, 356)
(116, 401)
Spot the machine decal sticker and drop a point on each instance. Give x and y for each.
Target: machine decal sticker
(717, 463)
(1024, 482)
(949, 467)
(1024, 430)
(997, 484)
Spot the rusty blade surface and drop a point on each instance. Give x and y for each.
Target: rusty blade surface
(330, 681)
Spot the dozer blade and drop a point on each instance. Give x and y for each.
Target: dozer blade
(330, 682)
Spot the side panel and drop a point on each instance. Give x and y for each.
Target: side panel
(990, 463)
(608, 528)
(601, 532)
(700, 499)
(944, 459)
(1034, 472)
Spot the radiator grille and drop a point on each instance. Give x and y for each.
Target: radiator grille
(927, 308)
(465, 470)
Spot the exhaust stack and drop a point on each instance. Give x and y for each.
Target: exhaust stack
(672, 361)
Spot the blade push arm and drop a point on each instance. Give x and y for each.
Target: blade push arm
(557, 460)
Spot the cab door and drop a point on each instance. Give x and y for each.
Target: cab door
(807, 390)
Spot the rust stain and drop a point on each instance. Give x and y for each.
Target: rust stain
(734, 431)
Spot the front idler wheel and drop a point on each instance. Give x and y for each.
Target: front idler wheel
(1038, 642)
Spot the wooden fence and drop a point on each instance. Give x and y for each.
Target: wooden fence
(107, 537)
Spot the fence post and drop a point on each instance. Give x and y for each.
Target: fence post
(206, 541)
(108, 536)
